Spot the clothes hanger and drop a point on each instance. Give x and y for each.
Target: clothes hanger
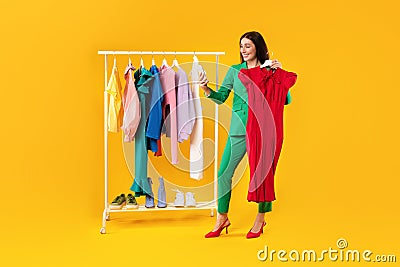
(164, 62)
(195, 59)
(115, 64)
(130, 65)
(175, 63)
(267, 62)
(153, 62)
(141, 60)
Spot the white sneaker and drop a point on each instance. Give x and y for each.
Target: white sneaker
(179, 198)
(190, 202)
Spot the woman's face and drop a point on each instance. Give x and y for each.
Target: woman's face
(247, 49)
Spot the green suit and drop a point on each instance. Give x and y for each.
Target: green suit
(235, 147)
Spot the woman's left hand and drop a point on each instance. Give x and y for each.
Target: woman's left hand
(276, 64)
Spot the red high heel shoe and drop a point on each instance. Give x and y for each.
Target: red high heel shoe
(250, 234)
(217, 232)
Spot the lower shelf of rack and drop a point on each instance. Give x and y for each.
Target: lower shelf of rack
(170, 206)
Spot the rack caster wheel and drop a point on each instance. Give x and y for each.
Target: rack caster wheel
(102, 230)
(108, 217)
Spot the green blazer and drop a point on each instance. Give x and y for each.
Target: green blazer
(239, 106)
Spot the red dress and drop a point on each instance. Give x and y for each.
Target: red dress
(267, 90)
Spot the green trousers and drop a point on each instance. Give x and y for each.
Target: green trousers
(234, 151)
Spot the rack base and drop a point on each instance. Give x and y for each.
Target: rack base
(169, 207)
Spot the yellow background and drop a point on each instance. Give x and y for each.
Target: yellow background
(338, 175)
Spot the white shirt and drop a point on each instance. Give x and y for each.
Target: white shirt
(196, 137)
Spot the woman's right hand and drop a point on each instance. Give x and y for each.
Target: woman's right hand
(203, 81)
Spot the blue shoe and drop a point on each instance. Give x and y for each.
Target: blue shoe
(161, 194)
(150, 197)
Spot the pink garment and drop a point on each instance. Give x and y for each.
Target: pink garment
(167, 78)
(131, 105)
(185, 108)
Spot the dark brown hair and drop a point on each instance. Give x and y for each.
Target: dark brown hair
(259, 42)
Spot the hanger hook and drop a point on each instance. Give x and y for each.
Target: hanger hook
(175, 54)
(141, 59)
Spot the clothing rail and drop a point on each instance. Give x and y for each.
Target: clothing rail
(106, 212)
(157, 53)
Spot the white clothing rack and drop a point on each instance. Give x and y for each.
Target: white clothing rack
(107, 210)
(157, 53)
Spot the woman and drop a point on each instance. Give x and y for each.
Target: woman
(253, 52)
